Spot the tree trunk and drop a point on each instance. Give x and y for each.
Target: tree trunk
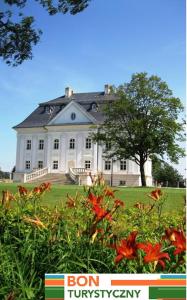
(143, 180)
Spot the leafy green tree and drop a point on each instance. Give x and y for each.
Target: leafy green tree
(142, 121)
(164, 173)
(18, 37)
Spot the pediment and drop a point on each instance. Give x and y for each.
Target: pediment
(72, 113)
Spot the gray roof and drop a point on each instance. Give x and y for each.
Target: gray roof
(46, 111)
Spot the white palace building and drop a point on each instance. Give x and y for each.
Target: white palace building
(55, 138)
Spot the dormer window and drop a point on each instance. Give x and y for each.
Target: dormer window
(94, 107)
(73, 116)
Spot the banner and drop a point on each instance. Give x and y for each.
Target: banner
(114, 286)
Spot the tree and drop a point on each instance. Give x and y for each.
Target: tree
(18, 37)
(164, 173)
(142, 121)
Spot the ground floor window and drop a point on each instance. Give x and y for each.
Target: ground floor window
(107, 164)
(123, 165)
(40, 164)
(87, 164)
(55, 164)
(27, 165)
(122, 182)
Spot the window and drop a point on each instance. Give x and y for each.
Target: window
(87, 164)
(73, 116)
(72, 144)
(88, 143)
(28, 146)
(27, 165)
(55, 164)
(107, 164)
(56, 144)
(108, 145)
(122, 182)
(123, 165)
(40, 164)
(94, 107)
(41, 145)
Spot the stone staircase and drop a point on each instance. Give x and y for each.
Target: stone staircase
(54, 178)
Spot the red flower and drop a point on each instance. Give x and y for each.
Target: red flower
(46, 186)
(22, 190)
(70, 202)
(153, 253)
(101, 213)
(177, 239)
(139, 205)
(156, 194)
(127, 248)
(94, 200)
(37, 190)
(109, 192)
(118, 202)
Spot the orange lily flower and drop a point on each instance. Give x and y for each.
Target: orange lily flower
(177, 239)
(35, 221)
(37, 190)
(156, 194)
(153, 253)
(127, 248)
(22, 190)
(70, 202)
(101, 213)
(95, 200)
(118, 202)
(109, 192)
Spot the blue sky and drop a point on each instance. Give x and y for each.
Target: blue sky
(106, 43)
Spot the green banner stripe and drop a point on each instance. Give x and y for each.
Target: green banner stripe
(54, 293)
(167, 292)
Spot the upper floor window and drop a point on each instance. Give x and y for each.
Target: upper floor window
(27, 165)
(55, 164)
(88, 143)
(87, 164)
(40, 164)
(56, 144)
(72, 144)
(123, 165)
(107, 164)
(28, 145)
(108, 145)
(41, 145)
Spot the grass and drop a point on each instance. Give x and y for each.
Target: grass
(130, 195)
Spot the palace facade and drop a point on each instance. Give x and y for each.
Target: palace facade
(55, 138)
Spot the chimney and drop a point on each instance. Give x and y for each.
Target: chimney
(68, 92)
(107, 89)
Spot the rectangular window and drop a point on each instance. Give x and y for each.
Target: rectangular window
(123, 165)
(107, 164)
(28, 145)
(40, 164)
(41, 145)
(72, 144)
(122, 182)
(55, 164)
(87, 164)
(27, 165)
(56, 144)
(108, 146)
(88, 143)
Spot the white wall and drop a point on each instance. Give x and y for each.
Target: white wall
(64, 155)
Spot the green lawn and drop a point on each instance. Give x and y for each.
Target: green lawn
(174, 197)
